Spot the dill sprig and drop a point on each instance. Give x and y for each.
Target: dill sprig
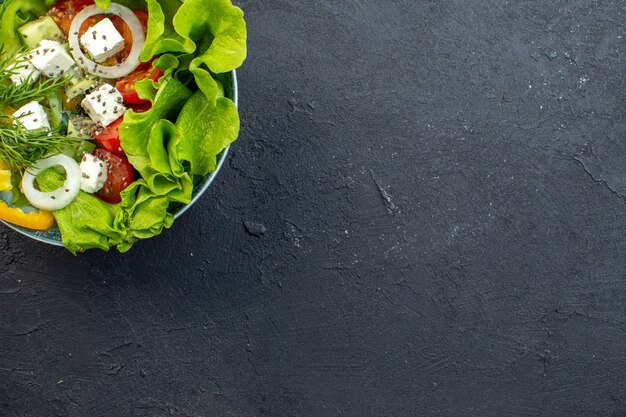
(9, 63)
(20, 147)
(30, 89)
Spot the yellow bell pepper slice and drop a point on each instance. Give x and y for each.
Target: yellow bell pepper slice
(36, 221)
(5, 180)
(42, 220)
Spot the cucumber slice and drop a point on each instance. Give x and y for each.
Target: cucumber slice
(40, 29)
(80, 127)
(54, 100)
(80, 84)
(85, 147)
(76, 151)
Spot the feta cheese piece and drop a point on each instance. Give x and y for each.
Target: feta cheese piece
(94, 174)
(51, 59)
(33, 117)
(104, 105)
(102, 40)
(24, 70)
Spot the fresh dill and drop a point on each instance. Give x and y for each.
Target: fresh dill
(31, 89)
(20, 147)
(9, 63)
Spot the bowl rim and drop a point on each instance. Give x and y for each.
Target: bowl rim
(180, 212)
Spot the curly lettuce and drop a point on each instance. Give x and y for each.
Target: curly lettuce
(87, 223)
(132, 4)
(209, 128)
(213, 31)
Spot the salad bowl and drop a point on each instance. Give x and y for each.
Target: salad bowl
(224, 22)
(52, 235)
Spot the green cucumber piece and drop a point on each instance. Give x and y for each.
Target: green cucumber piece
(80, 84)
(36, 31)
(85, 147)
(54, 100)
(76, 150)
(80, 127)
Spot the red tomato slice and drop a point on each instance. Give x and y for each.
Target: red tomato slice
(124, 30)
(109, 137)
(64, 11)
(142, 15)
(141, 108)
(120, 175)
(126, 85)
(79, 5)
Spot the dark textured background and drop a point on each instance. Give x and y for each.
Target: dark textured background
(440, 183)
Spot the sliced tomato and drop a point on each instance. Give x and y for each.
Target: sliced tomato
(120, 175)
(123, 28)
(126, 85)
(138, 108)
(64, 11)
(142, 15)
(126, 33)
(109, 137)
(79, 5)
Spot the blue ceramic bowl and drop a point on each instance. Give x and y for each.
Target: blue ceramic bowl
(52, 236)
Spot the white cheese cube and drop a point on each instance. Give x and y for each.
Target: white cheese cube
(24, 70)
(51, 59)
(94, 174)
(32, 116)
(102, 40)
(104, 105)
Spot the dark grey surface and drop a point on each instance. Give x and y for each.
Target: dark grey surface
(410, 225)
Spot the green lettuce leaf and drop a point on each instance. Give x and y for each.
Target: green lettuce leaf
(213, 32)
(103, 4)
(208, 129)
(167, 101)
(131, 4)
(143, 213)
(160, 169)
(150, 140)
(219, 27)
(161, 36)
(88, 222)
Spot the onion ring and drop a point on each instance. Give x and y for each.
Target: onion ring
(59, 198)
(117, 71)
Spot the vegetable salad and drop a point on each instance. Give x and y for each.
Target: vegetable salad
(111, 112)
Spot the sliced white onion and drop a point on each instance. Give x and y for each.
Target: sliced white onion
(116, 71)
(59, 198)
